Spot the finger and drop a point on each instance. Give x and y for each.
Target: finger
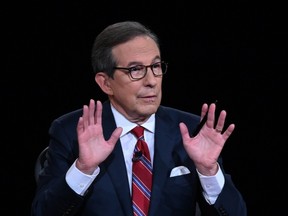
(221, 121)
(184, 132)
(211, 116)
(115, 136)
(227, 133)
(204, 110)
(85, 116)
(80, 125)
(98, 114)
(91, 112)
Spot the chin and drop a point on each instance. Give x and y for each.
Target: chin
(149, 109)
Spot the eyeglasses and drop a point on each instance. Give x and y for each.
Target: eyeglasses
(139, 71)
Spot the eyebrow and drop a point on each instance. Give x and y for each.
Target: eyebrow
(134, 63)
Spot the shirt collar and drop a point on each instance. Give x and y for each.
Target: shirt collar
(127, 126)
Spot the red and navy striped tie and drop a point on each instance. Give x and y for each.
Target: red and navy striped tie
(141, 175)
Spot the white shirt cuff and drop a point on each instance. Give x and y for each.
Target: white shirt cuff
(79, 181)
(212, 185)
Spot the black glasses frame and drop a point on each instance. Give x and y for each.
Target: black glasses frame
(130, 69)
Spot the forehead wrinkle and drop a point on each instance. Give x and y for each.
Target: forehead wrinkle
(140, 50)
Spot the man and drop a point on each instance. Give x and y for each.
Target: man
(91, 156)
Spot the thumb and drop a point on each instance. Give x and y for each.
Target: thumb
(115, 136)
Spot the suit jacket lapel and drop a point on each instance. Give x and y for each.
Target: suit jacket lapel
(115, 163)
(165, 135)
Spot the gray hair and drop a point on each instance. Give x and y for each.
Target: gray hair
(113, 35)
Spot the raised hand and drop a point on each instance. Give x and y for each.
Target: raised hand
(205, 148)
(93, 148)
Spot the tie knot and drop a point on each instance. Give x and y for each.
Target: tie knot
(138, 131)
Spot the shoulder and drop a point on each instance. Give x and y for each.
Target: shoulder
(70, 117)
(177, 112)
(178, 115)
(69, 120)
(66, 122)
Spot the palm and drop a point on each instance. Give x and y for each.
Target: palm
(93, 148)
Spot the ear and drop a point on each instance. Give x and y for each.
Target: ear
(103, 81)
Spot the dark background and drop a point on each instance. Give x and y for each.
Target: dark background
(232, 51)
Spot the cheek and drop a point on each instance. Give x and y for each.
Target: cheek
(124, 90)
(119, 84)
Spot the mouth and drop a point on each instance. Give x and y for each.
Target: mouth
(149, 99)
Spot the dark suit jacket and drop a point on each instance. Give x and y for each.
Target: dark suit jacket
(109, 194)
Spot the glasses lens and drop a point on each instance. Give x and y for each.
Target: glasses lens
(159, 68)
(137, 72)
(163, 67)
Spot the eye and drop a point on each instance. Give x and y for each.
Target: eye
(136, 68)
(157, 65)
